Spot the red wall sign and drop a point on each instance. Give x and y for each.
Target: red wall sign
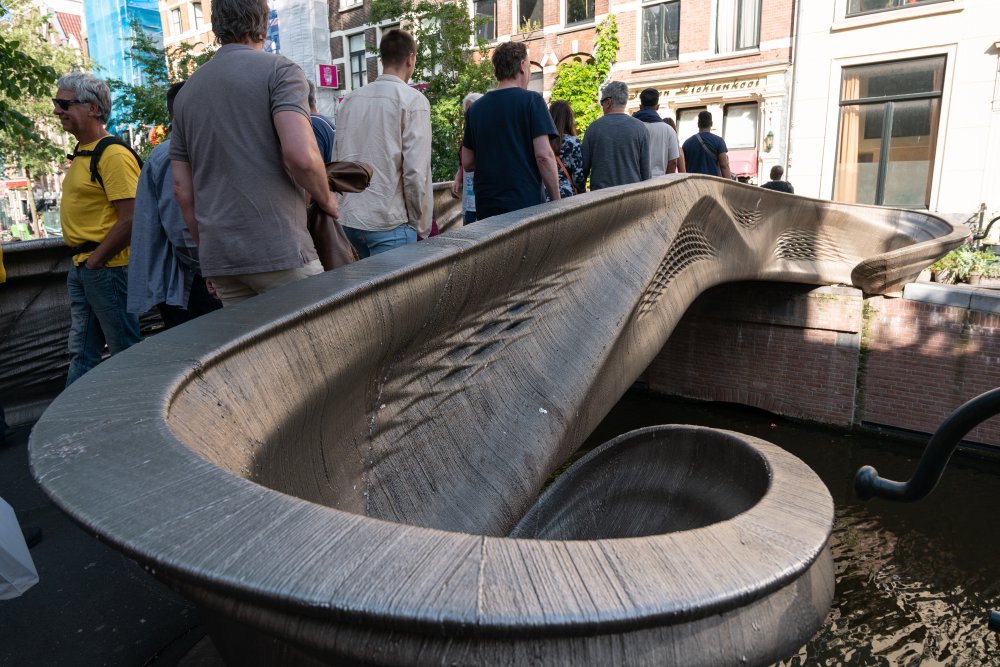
(326, 76)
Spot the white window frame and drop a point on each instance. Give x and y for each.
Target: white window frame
(350, 58)
(919, 3)
(837, 65)
(176, 26)
(717, 48)
(892, 15)
(641, 24)
(496, 17)
(516, 17)
(564, 15)
(197, 16)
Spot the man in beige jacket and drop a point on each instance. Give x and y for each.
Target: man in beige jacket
(388, 125)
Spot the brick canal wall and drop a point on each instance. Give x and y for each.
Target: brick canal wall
(829, 355)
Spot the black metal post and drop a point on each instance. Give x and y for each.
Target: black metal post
(939, 449)
(932, 463)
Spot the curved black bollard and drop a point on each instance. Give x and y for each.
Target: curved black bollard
(942, 445)
(939, 449)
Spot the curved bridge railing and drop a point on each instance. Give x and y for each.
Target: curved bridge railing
(350, 451)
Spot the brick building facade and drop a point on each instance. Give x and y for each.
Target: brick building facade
(731, 57)
(831, 355)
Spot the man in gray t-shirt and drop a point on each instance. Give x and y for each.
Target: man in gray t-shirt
(242, 150)
(615, 146)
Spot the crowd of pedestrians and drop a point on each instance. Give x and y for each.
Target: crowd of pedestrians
(217, 213)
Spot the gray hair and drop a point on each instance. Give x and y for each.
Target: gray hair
(469, 99)
(617, 91)
(90, 90)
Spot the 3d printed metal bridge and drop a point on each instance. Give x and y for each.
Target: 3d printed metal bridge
(333, 471)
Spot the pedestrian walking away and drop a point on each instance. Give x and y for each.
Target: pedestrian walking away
(570, 153)
(507, 140)
(241, 147)
(464, 185)
(663, 147)
(706, 153)
(388, 125)
(164, 271)
(615, 146)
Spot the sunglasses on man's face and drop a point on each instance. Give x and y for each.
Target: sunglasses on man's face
(604, 99)
(65, 104)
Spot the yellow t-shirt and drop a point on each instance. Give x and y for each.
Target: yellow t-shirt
(86, 211)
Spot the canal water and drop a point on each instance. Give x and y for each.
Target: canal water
(915, 581)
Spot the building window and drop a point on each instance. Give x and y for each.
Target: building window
(358, 55)
(660, 31)
(737, 25)
(855, 7)
(889, 115)
(739, 126)
(199, 18)
(345, 4)
(175, 22)
(530, 15)
(579, 11)
(486, 19)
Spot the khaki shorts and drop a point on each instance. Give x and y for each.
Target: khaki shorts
(233, 289)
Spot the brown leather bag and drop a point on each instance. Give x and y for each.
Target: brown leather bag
(347, 176)
(328, 236)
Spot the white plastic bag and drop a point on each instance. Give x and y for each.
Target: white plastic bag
(17, 570)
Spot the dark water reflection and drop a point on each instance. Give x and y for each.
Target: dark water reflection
(915, 582)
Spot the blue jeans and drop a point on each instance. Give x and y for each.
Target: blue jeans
(470, 217)
(369, 243)
(97, 299)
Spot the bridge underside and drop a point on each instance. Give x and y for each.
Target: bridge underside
(350, 452)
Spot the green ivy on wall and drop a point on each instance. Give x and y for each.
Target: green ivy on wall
(578, 82)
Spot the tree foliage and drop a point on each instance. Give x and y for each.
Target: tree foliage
(451, 62)
(578, 82)
(31, 66)
(144, 103)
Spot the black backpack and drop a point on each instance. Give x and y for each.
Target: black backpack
(95, 155)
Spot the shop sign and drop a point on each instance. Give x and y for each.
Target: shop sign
(708, 88)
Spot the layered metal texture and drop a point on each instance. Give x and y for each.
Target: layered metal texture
(332, 471)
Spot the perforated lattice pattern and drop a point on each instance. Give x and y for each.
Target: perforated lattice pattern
(419, 388)
(805, 245)
(748, 217)
(689, 246)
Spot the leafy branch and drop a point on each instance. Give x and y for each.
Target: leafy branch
(578, 81)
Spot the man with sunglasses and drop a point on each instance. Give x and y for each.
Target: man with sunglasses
(96, 218)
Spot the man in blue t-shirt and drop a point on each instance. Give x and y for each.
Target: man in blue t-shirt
(506, 140)
(322, 127)
(706, 153)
